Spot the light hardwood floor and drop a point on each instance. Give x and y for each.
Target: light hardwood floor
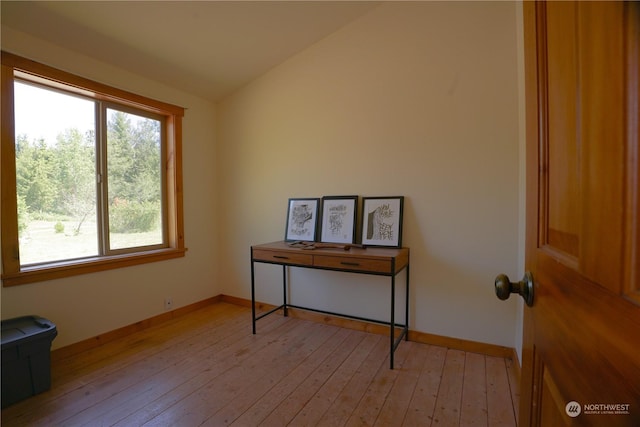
(207, 368)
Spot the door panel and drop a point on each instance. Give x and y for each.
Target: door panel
(632, 157)
(584, 139)
(602, 115)
(561, 232)
(581, 349)
(553, 415)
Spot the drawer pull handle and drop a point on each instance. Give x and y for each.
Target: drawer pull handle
(281, 257)
(352, 264)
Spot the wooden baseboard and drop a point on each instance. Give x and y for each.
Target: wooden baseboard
(235, 300)
(461, 344)
(97, 341)
(516, 363)
(416, 336)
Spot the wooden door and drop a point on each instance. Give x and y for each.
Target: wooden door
(581, 352)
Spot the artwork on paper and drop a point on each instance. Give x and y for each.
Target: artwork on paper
(302, 218)
(338, 219)
(382, 221)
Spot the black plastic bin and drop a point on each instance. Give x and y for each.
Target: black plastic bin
(26, 357)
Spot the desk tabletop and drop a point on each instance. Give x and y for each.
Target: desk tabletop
(368, 252)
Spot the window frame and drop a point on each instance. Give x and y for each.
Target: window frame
(103, 192)
(14, 274)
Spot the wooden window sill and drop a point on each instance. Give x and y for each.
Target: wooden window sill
(58, 270)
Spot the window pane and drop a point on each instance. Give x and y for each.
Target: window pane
(55, 175)
(134, 168)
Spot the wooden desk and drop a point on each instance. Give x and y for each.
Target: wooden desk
(374, 261)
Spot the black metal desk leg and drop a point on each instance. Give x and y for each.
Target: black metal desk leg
(253, 296)
(392, 325)
(284, 289)
(406, 307)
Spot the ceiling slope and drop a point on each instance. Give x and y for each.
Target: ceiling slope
(209, 48)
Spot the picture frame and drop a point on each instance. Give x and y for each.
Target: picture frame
(302, 219)
(338, 223)
(382, 221)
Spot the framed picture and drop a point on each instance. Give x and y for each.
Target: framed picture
(302, 219)
(339, 219)
(382, 221)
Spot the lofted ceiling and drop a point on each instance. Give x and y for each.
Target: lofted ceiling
(209, 48)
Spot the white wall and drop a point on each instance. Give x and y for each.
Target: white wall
(417, 99)
(85, 306)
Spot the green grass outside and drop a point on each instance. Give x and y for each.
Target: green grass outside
(41, 243)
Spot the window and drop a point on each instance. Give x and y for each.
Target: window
(91, 175)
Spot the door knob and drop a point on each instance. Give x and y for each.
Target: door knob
(504, 287)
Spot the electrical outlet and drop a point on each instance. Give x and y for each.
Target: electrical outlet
(168, 303)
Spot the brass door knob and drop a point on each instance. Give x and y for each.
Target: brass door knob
(524, 288)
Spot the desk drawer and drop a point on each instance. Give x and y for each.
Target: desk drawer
(352, 263)
(282, 257)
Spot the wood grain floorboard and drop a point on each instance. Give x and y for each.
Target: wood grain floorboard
(474, 392)
(423, 401)
(448, 403)
(349, 397)
(206, 368)
(499, 414)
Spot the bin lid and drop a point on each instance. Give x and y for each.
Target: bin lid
(25, 327)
